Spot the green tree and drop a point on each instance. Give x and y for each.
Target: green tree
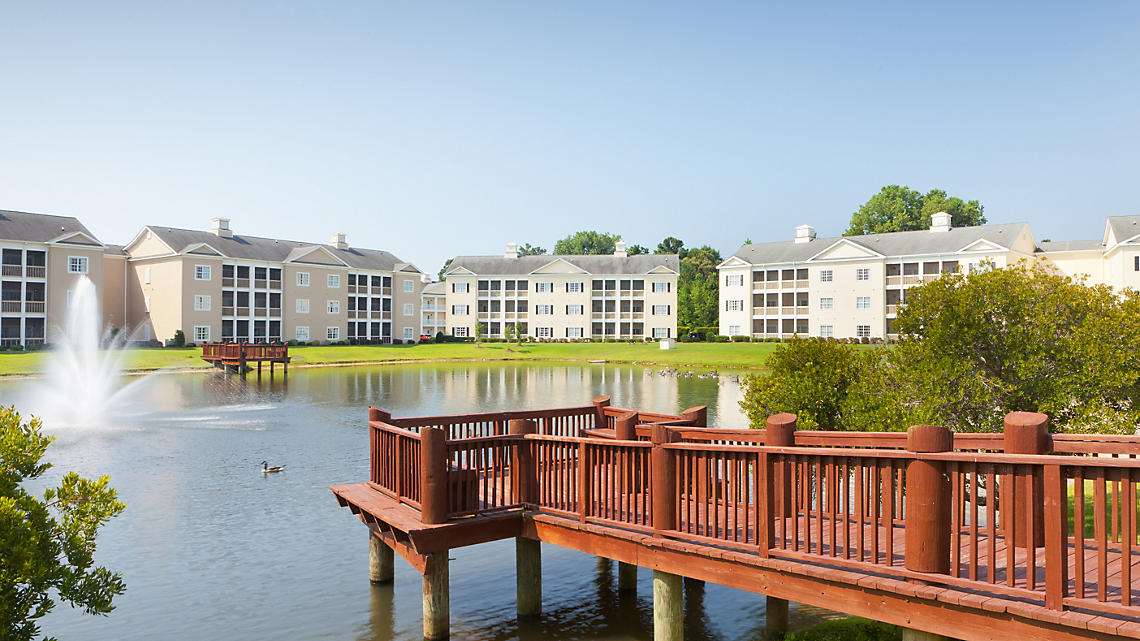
(637, 250)
(806, 376)
(587, 242)
(670, 245)
(900, 208)
(480, 331)
(528, 250)
(698, 287)
(444, 268)
(47, 546)
(977, 346)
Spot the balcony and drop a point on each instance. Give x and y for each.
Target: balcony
(11, 306)
(385, 291)
(351, 289)
(802, 310)
(242, 311)
(894, 280)
(892, 309)
(35, 271)
(758, 311)
(260, 283)
(34, 307)
(227, 281)
(243, 283)
(274, 284)
(13, 270)
(275, 311)
(227, 311)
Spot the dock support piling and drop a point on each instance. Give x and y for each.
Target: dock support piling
(776, 614)
(909, 634)
(668, 619)
(381, 560)
(528, 577)
(436, 601)
(627, 577)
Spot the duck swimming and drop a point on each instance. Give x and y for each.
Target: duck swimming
(267, 469)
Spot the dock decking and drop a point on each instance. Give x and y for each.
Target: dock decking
(991, 547)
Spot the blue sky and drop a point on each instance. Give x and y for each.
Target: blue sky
(434, 129)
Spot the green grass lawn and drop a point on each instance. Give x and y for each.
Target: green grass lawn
(722, 355)
(1090, 509)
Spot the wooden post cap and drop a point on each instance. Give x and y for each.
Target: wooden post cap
(625, 426)
(781, 430)
(601, 400)
(929, 438)
(522, 426)
(661, 434)
(1026, 433)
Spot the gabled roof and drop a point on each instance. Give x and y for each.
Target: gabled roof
(274, 250)
(40, 228)
(434, 289)
(902, 243)
(594, 265)
(1124, 228)
(1069, 245)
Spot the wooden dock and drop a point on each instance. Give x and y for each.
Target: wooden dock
(969, 536)
(237, 357)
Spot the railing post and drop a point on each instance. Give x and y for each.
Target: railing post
(1056, 537)
(928, 501)
(377, 414)
(697, 415)
(780, 431)
(584, 475)
(600, 405)
(524, 477)
(433, 476)
(1027, 433)
(663, 477)
(625, 427)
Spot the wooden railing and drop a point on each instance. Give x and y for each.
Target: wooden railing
(245, 351)
(1005, 524)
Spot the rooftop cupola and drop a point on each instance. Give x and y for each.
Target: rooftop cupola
(512, 251)
(619, 249)
(339, 240)
(940, 222)
(221, 227)
(805, 234)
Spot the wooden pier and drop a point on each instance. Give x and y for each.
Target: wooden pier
(236, 357)
(965, 536)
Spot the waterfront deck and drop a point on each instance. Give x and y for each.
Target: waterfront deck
(818, 518)
(238, 356)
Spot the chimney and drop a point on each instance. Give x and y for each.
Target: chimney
(805, 234)
(619, 249)
(221, 227)
(940, 222)
(339, 240)
(512, 251)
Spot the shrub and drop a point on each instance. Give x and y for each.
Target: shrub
(853, 629)
(721, 338)
(740, 339)
(179, 338)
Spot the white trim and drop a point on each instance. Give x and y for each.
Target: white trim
(58, 240)
(310, 250)
(845, 241)
(190, 248)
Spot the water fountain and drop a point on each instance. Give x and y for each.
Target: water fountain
(82, 388)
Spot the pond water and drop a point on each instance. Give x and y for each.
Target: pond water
(212, 549)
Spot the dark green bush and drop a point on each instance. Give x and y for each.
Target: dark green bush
(853, 629)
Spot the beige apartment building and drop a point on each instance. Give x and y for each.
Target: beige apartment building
(564, 297)
(43, 259)
(853, 286)
(433, 306)
(219, 286)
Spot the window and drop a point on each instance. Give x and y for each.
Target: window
(146, 301)
(460, 288)
(302, 305)
(409, 309)
(77, 264)
(459, 331)
(544, 332)
(862, 302)
(201, 333)
(573, 332)
(862, 331)
(827, 303)
(543, 310)
(1136, 263)
(409, 286)
(660, 310)
(573, 288)
(146, 275)
(660, 332)
(332, 333)
(302, 333)
(201, 303)
(863, 273)
(302, 279)
(543, 287)
(201, 272)
(734, 279)
(334, 307)
(409, 333)
(334, 281)
(733, 305)
(826, 331)
(458, 310)
(660, 287)
(734, 330)
(825, 275)
(574, 310)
